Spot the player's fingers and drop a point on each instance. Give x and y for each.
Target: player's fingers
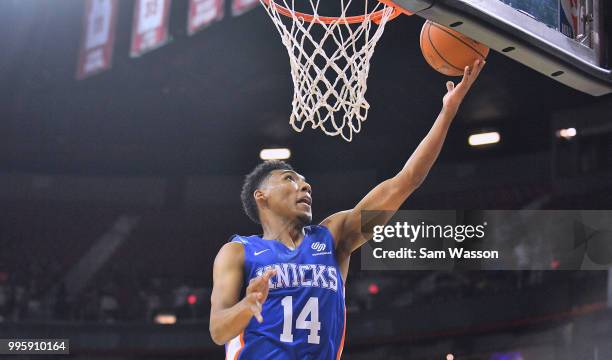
(478, 65)
(466, 72)
(450, 85)
(256, 310)
(479, 68)
(253, 300)
(465, 78)
(268, 274)
(471, 73)
(263, 279)
(474, 69)
(255, 305)
(254, 284)
(258, 281)
(261, 282)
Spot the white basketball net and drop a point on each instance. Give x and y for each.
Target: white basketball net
(329, 65)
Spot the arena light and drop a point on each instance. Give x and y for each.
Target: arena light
(275, 154)
(486, 138)
(165, 319)
(192, 299)
(567, 133)
(373, 289)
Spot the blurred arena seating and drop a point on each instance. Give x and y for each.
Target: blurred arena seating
(162, 269)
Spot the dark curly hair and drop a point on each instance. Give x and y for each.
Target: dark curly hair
(254, 180)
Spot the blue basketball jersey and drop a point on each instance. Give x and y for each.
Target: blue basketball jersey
(304, 314)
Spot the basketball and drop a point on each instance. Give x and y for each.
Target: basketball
(448, 51)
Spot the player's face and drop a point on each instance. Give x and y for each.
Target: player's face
(289, 195)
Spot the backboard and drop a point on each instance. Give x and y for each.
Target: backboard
(566, 40)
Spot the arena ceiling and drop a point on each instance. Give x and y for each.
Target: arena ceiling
(208, 103)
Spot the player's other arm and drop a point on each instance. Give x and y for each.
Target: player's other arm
(391, 193)
(228, 314)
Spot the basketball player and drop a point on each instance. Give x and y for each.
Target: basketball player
(294, 274)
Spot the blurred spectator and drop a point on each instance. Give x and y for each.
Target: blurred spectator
(4, 301)
(108, 307)
(60, 308)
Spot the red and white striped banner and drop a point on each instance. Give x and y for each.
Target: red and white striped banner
(569, 13)
(96, 52)
(202, 13)
(239, 7)
(150, 29)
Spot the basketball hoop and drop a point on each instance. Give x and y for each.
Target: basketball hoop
(330, 61)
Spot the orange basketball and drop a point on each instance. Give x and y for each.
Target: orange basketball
(448, 51)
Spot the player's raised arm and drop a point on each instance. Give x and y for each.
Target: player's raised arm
(390, 194)
(228, 316)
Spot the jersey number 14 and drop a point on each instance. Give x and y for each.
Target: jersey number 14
(312, 308)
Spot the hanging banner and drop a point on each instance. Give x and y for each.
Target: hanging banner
(202, 13)
(568, 18)
(96, 51)
(239, 7)
(150, 29)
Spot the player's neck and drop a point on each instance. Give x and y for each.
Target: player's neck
(290, 233)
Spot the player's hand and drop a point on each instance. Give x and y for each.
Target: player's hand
(455, 94)
(257, 293)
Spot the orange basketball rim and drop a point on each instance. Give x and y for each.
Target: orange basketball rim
(375, 16)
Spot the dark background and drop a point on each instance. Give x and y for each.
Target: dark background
(202, 104)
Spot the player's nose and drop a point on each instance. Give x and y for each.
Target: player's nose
(306, 187)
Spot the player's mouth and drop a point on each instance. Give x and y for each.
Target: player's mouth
(307, 200)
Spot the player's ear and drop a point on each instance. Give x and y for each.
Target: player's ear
(259, 195)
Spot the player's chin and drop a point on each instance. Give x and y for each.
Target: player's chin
(304, 217)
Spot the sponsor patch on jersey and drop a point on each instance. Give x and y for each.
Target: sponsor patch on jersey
(318, 246)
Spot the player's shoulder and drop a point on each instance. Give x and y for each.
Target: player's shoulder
(244, 240)
(335, 222)
(230, 255)
(319, 231)
(238, 244)
(315, 228)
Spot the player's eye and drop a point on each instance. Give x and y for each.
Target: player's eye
(289, 177)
